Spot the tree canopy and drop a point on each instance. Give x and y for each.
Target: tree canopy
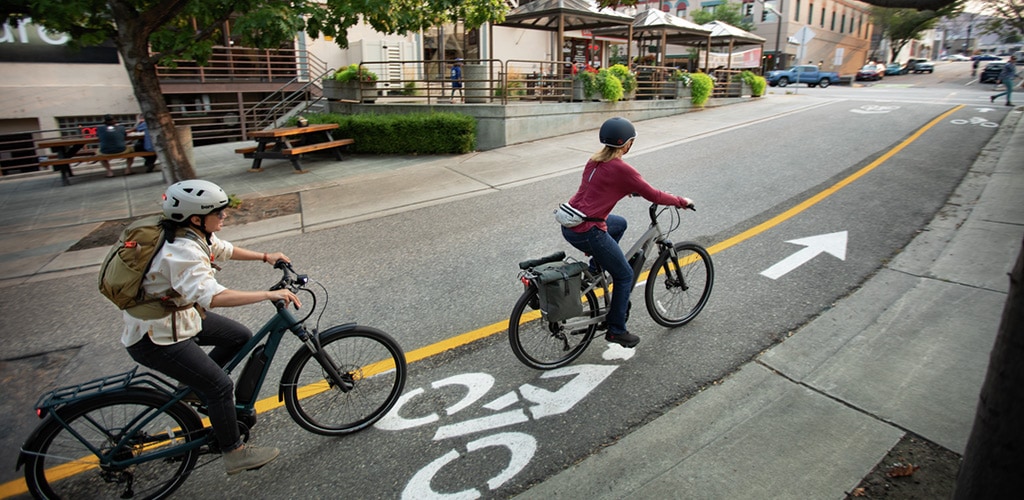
(728, 13)
(900, 26)
(1007, 18)
(150, 32)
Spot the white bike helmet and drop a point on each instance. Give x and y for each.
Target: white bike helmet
(193, 197)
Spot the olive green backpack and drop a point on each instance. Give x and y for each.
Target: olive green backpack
(127, 263)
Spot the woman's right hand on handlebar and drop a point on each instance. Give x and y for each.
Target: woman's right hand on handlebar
(685, 203)
(284, 295)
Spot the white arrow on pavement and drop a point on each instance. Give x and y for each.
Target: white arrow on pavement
(833, 243)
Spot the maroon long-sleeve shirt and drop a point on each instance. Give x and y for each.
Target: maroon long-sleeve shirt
(604, 184)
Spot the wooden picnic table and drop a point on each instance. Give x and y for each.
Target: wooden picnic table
(68, 149)
(289, 143)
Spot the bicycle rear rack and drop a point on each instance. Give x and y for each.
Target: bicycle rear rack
(110, 383)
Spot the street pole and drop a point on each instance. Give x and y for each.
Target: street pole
(778, 36)
(778, 31)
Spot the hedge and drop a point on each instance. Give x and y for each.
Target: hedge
(413, 133)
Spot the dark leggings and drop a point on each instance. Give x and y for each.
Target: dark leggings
(189, 364)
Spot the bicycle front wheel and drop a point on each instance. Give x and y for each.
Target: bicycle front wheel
(546, 345)
(121, 426)
(368, 359)
(678, 287)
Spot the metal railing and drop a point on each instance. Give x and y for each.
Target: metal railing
(243, 64)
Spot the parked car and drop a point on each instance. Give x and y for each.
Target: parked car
(955, 58)
(893, 69)
(871, 72)
(923, 66)
(809, 74)
(991, 72)
(912, 63)
(986, 57)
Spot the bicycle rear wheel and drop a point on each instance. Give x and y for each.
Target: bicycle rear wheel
(367, 358)
(678, 288)
(59, 465)
(546, 345)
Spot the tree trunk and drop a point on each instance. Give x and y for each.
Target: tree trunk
(993, 466)
(132, 44)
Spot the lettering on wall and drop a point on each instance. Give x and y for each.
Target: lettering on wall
(29, 43)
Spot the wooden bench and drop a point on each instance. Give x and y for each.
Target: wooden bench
(252, 149)
(64, 164)
(318, 146)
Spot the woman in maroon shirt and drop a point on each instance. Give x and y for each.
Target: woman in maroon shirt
(606, 180)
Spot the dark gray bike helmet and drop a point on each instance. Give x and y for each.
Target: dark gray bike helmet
(616, 132)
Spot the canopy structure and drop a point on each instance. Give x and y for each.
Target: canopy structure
(724, 32)
(563, 15)
(667, 27)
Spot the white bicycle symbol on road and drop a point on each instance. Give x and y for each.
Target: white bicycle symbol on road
(540, 403)
(975, 121)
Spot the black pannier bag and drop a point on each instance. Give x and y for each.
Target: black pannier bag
(559, 285)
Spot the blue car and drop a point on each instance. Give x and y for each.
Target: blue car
(986, 57)
(893, 69)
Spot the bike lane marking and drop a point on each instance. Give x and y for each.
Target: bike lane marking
(18, 486)
(539, 403)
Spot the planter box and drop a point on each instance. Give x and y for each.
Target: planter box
(683, 92)
(350, 91)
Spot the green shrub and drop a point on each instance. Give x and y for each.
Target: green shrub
(700, 88)
(748, 77)
(625, 76)
(354, 72)
(590, 87)
(609, 85)
(412, 133)
(758, 86)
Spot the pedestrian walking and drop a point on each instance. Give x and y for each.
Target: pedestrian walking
(456, 77)
(1007, 75)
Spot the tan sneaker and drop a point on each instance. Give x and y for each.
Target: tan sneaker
(248, 457)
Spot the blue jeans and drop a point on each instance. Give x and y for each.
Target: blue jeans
(604, 248)
(186, 362)
(1008, 82)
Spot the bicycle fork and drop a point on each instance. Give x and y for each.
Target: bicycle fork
(343, 382)
(673, 271)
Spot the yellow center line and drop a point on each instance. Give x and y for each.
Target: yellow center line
(18, 486)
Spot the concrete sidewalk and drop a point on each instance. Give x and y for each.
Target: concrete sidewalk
(891, 358)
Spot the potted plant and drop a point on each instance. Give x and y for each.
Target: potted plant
(683, 80)
(348, 84)
(747, 77)
(701, 86)
(584, 85)
(627, 78)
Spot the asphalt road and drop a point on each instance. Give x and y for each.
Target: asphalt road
(477, 422)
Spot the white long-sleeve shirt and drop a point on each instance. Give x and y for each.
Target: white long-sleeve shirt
(184, 267)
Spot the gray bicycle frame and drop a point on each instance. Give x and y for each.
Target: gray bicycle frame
(653, 235)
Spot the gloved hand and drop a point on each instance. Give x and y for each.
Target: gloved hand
(685, 203)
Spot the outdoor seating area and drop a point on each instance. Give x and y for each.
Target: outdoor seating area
(72, 151)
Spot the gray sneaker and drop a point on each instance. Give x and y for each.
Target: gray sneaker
(248, 458)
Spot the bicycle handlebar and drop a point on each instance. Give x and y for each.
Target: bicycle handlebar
(289, 280)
